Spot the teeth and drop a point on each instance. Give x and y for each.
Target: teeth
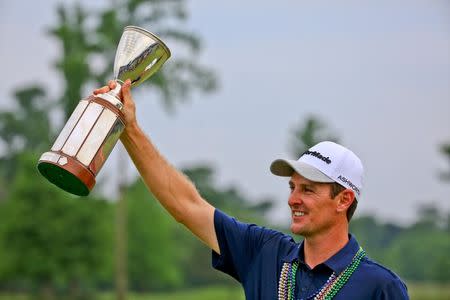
(299, 213)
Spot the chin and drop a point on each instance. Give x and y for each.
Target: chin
(297, 230)
(302, 229)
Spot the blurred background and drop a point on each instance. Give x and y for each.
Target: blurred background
(247, 82)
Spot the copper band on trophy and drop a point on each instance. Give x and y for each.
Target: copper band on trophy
(97, 122)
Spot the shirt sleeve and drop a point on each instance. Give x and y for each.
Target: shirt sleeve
(394, 290)
(239, 244)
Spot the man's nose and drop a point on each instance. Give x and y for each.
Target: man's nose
(295, 199)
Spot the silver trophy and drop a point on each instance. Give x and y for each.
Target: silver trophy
(97, 122)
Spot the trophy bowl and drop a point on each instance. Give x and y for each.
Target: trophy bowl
(97, 122)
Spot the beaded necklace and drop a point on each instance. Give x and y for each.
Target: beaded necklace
(286, 286)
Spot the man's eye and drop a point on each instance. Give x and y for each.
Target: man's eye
(308, 190)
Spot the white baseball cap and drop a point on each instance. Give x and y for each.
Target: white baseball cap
(325, 162)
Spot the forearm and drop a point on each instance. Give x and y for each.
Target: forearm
(168, 185)
(172, 188)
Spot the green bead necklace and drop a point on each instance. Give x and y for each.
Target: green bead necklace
(286, 286)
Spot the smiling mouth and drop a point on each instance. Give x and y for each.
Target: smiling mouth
(298, 213)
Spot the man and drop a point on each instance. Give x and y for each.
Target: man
(325, 185)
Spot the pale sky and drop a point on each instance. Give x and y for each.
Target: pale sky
(377, 72)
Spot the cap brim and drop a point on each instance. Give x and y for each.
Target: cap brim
(286, 167)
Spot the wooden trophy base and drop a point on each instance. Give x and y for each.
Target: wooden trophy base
(72, 177)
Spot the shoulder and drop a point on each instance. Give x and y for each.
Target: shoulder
(227, 224)
(377, 271)
(372, 280)
(245, 247)
(248, 236)
(382, 278)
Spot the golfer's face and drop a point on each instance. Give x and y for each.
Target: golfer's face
(313, 211)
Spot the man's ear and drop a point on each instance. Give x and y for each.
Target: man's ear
(345, 200)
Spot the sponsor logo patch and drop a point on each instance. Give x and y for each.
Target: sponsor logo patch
(345, 180)
(318, 155)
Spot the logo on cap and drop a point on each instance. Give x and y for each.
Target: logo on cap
(318, 155)
(345, 180)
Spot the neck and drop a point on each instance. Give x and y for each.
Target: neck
(320, 247)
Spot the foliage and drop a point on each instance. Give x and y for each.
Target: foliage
(445, 150)
(418, 252)
(27, 127)
(417, 291)
(412, 248)
(206, 293)
(197, 264)
(374, 235)
(88, 50)
(229, 199)
(153, 256)
(428, 291)
(162, 253)
(51, 239)
(38, 219)
(309, 133)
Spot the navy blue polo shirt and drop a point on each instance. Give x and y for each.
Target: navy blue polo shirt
(254, 256)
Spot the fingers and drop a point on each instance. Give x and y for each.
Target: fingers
(112, 84)
(126, 93)
(104, 89)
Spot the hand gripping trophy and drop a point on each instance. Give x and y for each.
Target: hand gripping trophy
(97, 122)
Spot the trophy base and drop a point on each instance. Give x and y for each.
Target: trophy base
(71, 177)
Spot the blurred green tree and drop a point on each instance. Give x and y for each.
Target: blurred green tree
(308, 133)
(154, 251)
(420, 253)
(25, 128)
(196, 262)
(88, 41)
(162, 253)
(429, 218)
(230, 198)
(445, 150)
(51, 240)
(88, 50)
(374, 236)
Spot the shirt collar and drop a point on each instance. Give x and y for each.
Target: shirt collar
(337, 262)
(294, 253)
(344, 257)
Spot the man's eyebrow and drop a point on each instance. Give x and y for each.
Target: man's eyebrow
(308, 184)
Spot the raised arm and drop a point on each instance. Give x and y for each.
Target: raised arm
(172, 188)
